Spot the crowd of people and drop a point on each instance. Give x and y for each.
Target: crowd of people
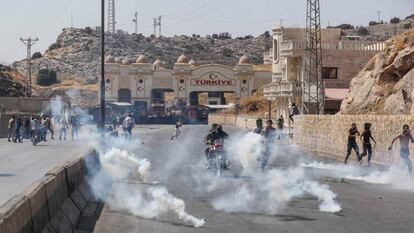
(39, 127)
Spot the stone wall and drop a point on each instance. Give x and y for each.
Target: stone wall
(241, 121)
(328, 134)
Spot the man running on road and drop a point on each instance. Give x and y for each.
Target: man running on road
(352, 144)
(405, 138)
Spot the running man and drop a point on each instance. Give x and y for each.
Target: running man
(178, 126)
(352, 144)
(269, 139)
(366, 137)
(405, 138)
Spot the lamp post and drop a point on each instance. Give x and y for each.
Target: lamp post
(102, 87)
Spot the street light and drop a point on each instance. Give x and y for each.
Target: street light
(102, 87)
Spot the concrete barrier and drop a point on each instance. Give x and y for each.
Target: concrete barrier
(16, 215)
(74, 176)
(36, 193)
(52, 204)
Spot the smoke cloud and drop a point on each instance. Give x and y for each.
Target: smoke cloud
(144, 202)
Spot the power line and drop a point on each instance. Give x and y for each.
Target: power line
(29, 42)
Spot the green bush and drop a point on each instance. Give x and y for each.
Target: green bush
(36, 55)
(362, 31)
(46, 77)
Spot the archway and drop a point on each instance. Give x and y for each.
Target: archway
(124, 95)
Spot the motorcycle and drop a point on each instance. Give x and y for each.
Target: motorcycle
(218, 159)
(35, 138)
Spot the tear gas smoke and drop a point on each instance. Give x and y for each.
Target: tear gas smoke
(120, 163)
(246, 149)
(271, 192)
(396, 176)
(153, 202)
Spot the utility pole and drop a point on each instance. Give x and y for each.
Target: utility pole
(135, 20)
(155, 26)
(313, 96)
(102, 84)
(29, 42)
(159, 25)
(111, 16)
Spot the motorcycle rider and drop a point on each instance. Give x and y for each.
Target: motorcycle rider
(215, 136)
(269, 135)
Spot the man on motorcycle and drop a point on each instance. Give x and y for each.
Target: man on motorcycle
(269, 134)
(215, 136)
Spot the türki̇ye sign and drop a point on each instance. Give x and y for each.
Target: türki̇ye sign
(213, 79)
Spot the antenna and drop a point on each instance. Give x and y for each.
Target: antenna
(155, 26)
(29, 42)
(71, 18)
(135, 20)
(379, 16)
(159, 25)
(313, 88)
(111, 16)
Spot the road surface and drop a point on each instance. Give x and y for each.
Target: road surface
(22, 163)
(179, 166)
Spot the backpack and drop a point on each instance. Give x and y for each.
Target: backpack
(295, 110)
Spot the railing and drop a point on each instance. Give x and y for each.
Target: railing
(288, 46)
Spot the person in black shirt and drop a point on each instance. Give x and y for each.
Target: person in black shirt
(352, 144)
(366, 137)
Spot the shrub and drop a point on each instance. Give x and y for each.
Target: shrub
(362, 31)
(373, 23)
(395, 20)
(408, 26)
(227, 52)
(36, 55)
(88, 30)
(345, 26)
(54, 46)
(46, 77)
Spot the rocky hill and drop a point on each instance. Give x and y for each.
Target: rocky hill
(76, 52)
(386, 84)
(12, 83)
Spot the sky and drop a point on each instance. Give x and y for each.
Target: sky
(46, 18)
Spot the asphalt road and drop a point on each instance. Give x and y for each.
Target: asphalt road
(22, 163)
(179, 166)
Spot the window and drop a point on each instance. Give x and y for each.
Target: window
(275, 50)
(329, 72)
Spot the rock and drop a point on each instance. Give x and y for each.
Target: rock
(386, 85)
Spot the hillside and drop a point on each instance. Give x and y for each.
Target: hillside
(75, 54)
(386, 85)
(12, 83)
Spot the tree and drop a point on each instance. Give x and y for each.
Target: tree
(54, 46)
(267, 34)
(407, 26)
(46, 77)
(88, 30)
(36, 55)
(214, 36)
(224, 36)
(227, 52)
(410, 17)
(373, 23)
(395, 20)
(362, 31)
(345, 26)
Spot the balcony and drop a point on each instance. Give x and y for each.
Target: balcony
(280, 89)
